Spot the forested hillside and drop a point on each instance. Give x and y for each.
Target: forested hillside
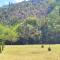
(29, 22)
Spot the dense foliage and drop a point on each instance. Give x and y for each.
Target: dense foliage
(33, 21)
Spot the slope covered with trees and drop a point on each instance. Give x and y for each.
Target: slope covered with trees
(33, 21)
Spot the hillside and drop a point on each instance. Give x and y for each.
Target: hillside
(31, 21)
(15, 12)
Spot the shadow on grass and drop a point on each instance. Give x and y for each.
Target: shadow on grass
(35, 52)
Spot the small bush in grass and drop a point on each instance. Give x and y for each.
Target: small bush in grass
(42, 46)
(49, 49)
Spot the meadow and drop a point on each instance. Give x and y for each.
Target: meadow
(30, 52)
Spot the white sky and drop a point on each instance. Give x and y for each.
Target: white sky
(6, 2)
(19, 1)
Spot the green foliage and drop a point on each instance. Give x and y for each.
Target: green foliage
(29, 21)
(7, 33)
(10, 34)
(54, 20)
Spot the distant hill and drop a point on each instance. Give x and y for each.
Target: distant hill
(15, 12)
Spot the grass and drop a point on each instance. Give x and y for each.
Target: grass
(30, 52)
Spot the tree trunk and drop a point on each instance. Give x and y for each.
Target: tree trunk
(2, 45)
(0, 49)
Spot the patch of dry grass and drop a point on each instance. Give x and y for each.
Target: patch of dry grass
(30, 52)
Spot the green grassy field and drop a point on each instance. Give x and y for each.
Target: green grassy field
(30, 52)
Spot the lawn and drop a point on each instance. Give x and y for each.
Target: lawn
(30, 52)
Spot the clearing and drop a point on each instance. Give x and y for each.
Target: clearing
(30, 52)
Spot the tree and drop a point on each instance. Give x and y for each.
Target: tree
(28, 28)
(1, 37)
(10, 35)
(54, 23)
(7, 34)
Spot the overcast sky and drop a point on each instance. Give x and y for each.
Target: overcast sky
(4, 2)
